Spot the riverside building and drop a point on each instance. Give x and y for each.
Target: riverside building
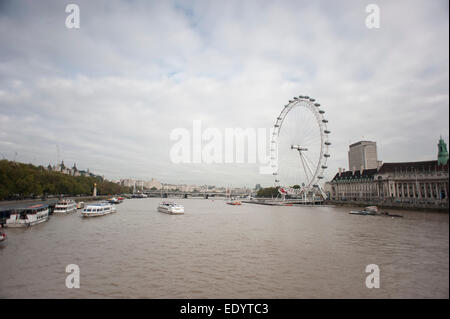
(424, 182)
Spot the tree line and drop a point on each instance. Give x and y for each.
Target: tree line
(18, 180)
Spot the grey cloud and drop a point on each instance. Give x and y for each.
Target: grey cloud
(111, 92)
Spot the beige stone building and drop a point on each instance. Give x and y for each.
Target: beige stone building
(420, 181)
(363, 154)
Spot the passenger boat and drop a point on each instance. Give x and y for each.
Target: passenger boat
(170, 208)
(28, 216)
(234, 202)
(98, 209)
(2, 236)
(65, 206)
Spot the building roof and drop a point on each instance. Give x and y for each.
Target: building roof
(411, 166)
(367, 173)
(361, 142)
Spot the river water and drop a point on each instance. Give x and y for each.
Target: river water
(216, 250)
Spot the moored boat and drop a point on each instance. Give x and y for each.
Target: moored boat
(171, 208)
(65, 206)
(369, 210)
(98, 209)
(373, 211)
(28, 216)
(115, 200)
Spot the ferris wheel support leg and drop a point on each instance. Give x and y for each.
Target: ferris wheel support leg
(322, 192)
(307, 165)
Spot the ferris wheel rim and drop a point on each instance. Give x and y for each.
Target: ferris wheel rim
(318, 113)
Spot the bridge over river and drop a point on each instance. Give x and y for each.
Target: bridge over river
(181, 194)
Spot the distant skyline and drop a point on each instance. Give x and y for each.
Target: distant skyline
(109, 94)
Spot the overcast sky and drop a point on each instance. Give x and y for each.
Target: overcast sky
(109, 93)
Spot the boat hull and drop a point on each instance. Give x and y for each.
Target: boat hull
(26, 223)
(31, 220)
(64, 212)
(98, 214)
(363, 213)
(171, 211)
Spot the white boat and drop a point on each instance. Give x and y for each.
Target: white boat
(65, 206)
(170, 208)
(99, 209)
(28, 216)
(114, 200)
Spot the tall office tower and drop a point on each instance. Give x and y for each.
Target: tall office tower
(362, 154)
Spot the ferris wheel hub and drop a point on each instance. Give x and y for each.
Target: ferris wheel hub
(298, 148)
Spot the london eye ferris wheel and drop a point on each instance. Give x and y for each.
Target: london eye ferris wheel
(299, 148)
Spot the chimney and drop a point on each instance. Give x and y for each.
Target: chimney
(361, 170)
(354, 170)
(340, 172)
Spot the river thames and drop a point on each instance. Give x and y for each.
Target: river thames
(216, 250)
